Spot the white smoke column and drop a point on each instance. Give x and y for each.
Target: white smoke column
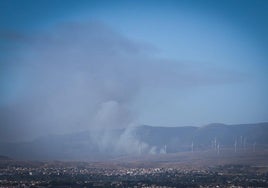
(153, 150)
(113, 115)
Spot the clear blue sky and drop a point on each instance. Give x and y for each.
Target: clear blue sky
(163, 63)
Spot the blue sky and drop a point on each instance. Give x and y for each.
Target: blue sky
(163, 63)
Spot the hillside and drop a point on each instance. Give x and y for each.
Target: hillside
(141, 140)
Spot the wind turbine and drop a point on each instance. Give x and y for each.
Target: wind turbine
(235, 144)
(140, 148)
(215, 143)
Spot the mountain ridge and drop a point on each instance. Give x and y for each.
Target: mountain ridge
(138, 140)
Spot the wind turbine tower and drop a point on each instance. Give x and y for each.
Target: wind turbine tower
(215, 143)
(235, 145)
(140, 148)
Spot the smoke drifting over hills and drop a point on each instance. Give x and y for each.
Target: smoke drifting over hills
(78, 77)
(72, 78)
(69, 79)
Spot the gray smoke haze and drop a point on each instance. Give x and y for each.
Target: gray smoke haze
(78, 77)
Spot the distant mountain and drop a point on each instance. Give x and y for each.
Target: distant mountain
(181, 138)
(140, 140)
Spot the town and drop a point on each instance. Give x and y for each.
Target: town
(90, 174)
